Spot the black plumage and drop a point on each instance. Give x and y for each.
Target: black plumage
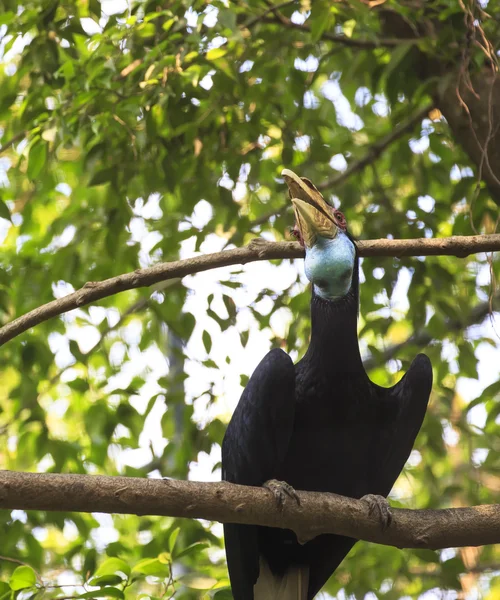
(319, 425)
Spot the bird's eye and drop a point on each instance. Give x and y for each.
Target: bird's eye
(340, 219)
(297, 235)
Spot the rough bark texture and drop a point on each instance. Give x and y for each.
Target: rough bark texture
(473, 114)
(467, 96)
(258, 249)
(229, 503)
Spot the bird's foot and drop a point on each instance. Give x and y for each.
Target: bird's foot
(378, 504)
(280, 490)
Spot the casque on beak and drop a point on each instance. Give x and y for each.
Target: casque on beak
(315, 217)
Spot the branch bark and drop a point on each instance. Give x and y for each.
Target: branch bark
(258, 249)
(228, 503)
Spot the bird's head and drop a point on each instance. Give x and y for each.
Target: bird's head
(322, 230)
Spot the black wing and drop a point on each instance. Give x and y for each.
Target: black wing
(254, 446)
(410, 396)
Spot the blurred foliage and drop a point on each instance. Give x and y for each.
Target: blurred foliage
(119, 126)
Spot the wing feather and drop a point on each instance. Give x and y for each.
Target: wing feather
(254, 446)
(411, 397)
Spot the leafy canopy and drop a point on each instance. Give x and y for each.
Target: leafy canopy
(137, 134)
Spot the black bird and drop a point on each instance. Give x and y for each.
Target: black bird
(319, 425)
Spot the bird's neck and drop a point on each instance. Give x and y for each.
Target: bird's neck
(334, 338)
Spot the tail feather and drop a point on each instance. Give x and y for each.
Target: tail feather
(292, 585)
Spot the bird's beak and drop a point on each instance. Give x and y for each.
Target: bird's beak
(314, 215)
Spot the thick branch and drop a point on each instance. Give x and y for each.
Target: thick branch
(229, 503)
(258, 249)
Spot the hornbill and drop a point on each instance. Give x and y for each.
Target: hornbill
(320, 425)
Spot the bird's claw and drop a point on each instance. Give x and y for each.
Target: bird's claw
(378, 504)
(280, 490)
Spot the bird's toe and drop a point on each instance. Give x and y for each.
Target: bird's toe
(280, 490)
(379, 505)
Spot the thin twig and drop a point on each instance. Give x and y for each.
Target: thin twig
(376, 149)
(421, 338)
(12, 141)
(340, 39)
(272, 213)
(24, 564)
(253, 20)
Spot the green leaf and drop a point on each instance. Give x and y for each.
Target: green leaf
(244, 335)
(227, 18)
(36, 159)
(23, 577)
(146, 30)
(151, 566)
(216, 53)
(207, 341)
(101, 177)
(4, 211)
(76, 352)
(321, 19)
(223, 594)
(173, 539)
(6, 17)
(113, 566)
(165, 558)
(230, 306)
(95, 8)
(191, 549)
(5, 591)
(168, 24)
(105, 580)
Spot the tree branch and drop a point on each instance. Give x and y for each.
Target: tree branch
(272, 213)
(376, 149)
(272, 8)
(424, 336)
(339, 39)
(372, 154)
(258, 249)
(229, 503)
(13, 140)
